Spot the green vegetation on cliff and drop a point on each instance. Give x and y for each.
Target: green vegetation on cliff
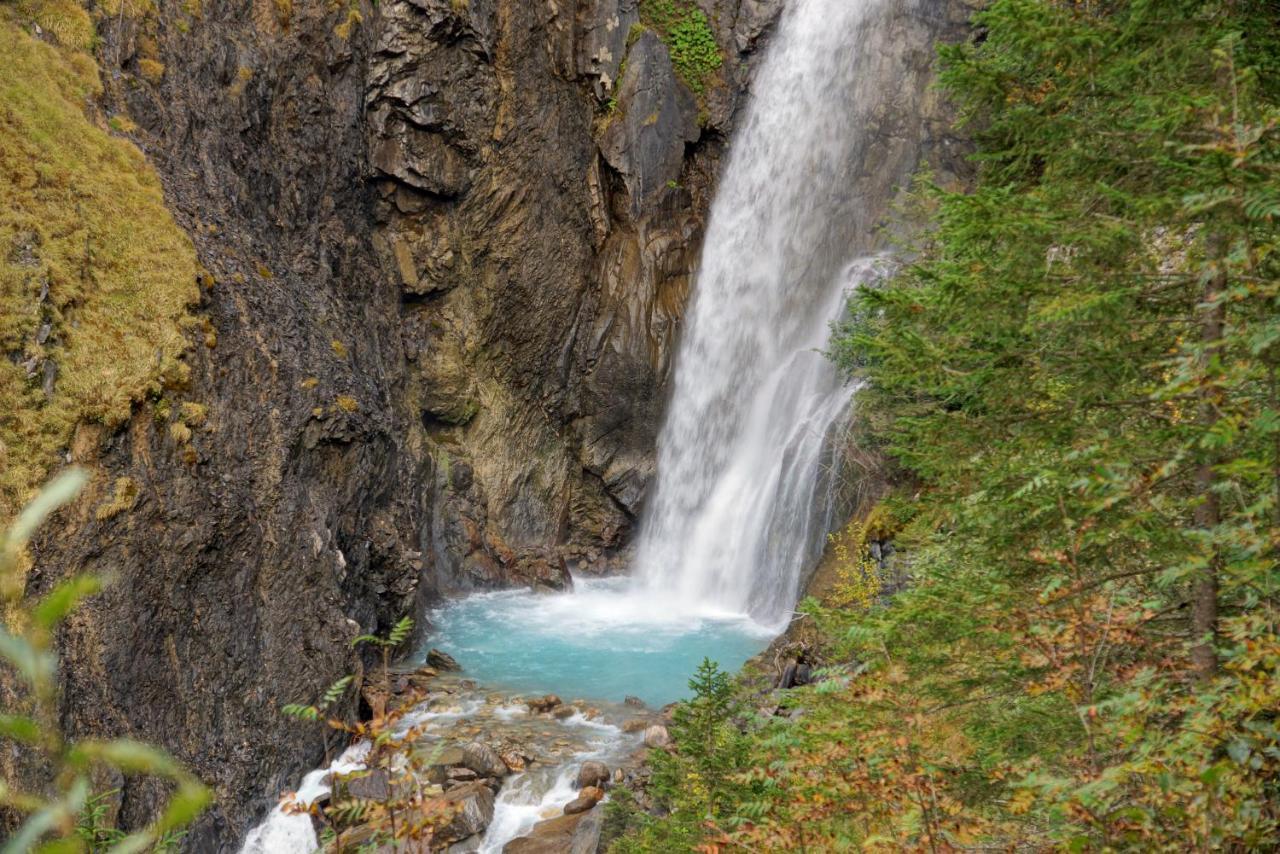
(687, 33)
(1078, 377)
(95, 275)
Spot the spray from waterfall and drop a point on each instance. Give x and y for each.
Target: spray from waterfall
(744, 496)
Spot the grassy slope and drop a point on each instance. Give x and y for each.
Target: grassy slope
(81, 214)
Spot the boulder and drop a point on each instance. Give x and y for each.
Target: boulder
(563, 712)
(442, 660)
(593, 773)
(587, 798)
(636, 725)
(476, 802)
(463, 775)
(540, 705)
(514, 760)
(657, 736)
(579, 805)
(369, 785)
(567, 834)
(633, 702)
(484, 760)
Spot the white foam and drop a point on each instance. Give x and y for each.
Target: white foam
(287, 832)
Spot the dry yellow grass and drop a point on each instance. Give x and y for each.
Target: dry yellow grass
(95, 275)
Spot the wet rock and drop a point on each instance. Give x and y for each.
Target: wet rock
(587, 799)
(659, 117)
(657, 736)
(592, 773)
(439, 760)
(567, 834)
(441, 660)
(476, 802)
(544, 704)
(372, 786)
(467, 846)
(636, 725)
(579, 805)
(563, 712)
(586, 836)
(463, 775)
(633, 702)
(484, 760)
(513, 760)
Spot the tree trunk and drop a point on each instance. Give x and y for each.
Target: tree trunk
(1204, 596)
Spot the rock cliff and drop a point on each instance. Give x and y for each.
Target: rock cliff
(448, 244)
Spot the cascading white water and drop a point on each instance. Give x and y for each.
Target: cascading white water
(743, 497)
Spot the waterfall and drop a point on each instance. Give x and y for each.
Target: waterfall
(744, 493)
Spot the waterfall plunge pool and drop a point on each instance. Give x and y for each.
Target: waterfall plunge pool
(609, 639)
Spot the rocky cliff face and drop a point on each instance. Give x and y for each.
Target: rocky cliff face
(449, 244)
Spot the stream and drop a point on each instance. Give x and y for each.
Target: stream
(613, 653)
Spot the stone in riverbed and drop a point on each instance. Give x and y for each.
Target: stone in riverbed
(587, 799)
(463, 775)
(540, 705)
(484, 760)
(442, 660)
(567, 834)
(513, 760)
(593, 773)
(579, 805)
(657, 736)
(476, 800)
(372, 785)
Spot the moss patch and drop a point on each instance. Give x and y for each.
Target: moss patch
(95, 275)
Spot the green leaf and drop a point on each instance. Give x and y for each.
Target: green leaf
(132, 757)
(401, 632)
(61, 490)
(48, 818)
(32, 829)
(35, 666)
(19, 728)
(62, 600)
(336, 690)
(187, 802)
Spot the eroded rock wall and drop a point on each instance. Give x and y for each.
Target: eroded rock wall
(542, 178)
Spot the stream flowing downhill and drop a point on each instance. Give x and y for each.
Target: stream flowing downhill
(748, 459)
